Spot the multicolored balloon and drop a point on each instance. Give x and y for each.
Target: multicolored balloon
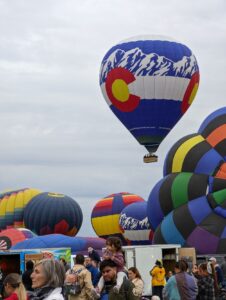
(106, 213)
(149, 83)
(188, 205)
(134, 222)
(50, 213)
(12, 236)
(12, 204)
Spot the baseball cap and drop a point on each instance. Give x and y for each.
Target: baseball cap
(158, 262)
(213, 259)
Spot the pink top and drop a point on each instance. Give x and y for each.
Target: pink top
(117, 257)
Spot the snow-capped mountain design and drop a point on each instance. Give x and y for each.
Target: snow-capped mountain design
(133, 224)
(141, 64)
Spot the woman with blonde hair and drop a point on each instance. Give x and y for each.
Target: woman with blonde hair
(14, 288)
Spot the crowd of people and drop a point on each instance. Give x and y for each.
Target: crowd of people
(206, 281)
(92, 278)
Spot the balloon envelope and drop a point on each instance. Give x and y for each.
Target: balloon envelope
(106, 213)
(14, 236)
(188, 205)
(53, 213)
(134, 222)
(149, 83)
(77, 244)
(12, 205)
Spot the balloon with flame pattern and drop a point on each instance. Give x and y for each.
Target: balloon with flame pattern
(50, 213)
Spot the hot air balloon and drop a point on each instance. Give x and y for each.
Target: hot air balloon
(77, 244)
(149, 83)
(106, 213)
(187, 206)
(53, 213)
(134, 222)
(13, 236)
(12, 204)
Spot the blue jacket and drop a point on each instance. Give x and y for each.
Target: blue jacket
(95, 274)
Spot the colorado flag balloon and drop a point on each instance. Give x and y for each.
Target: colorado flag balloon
(149, 83)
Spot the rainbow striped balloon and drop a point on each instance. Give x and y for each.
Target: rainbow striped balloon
(12, 204)
(106, 213)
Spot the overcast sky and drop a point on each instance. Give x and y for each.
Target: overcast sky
(57, 133)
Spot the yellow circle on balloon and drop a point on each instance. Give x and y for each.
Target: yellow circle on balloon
(56, 195)
(120, 90)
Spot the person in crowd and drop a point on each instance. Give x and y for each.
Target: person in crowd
(94, 255)
(95, 273)
(47, 280)
(65, 264)
(169, 274)
(195, 271)
(26, 276)
(158, 278)
(136, 279)
(181, 286)
(14, 288)
(206, 288)
(113, 252)
(1, 278)
(82, 276)
(218, 271)
(108, 270)
(223, 268)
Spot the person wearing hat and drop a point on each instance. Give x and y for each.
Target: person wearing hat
(218, 271)
(158, 278)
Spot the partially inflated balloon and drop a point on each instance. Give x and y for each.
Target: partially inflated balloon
(12, 205)
(149, 83)
(14, 236)
(188, 206)
(77, 244)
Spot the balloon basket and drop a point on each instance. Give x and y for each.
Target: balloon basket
(149, 158)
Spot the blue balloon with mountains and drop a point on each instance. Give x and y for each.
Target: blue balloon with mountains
(149, 83)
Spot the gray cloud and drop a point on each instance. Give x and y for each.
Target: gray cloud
(57, 133)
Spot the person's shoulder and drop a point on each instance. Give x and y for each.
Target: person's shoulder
(128, 289)
(190, 279)
(127, 284)
(76, 268)
(56, 294)
(137, 280)
(13, 296)
(119, 253)
(171, 279)
(84, 272)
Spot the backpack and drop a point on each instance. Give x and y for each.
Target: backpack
(73, 287)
